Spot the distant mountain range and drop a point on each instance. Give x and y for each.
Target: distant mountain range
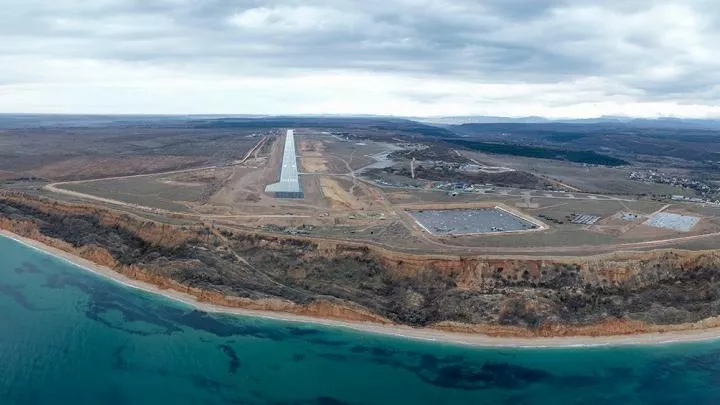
(21, 120)
(638, 122)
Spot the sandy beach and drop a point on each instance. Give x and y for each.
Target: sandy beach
(424, 334)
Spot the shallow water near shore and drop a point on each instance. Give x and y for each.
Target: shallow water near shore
(69, 336)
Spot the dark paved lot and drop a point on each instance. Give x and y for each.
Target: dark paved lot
(469, 221)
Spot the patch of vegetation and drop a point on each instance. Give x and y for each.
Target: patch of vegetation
(504, 179)
(693, 143)
(565, 137)
(578, 156)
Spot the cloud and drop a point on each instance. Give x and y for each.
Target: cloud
(409, 57)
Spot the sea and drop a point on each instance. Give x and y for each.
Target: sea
(68, 336)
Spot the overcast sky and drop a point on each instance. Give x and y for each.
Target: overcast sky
(574, 58)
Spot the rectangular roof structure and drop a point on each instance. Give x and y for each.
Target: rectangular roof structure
(289, 184)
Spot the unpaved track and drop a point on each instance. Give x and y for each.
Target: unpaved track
(449, 248)
(404, 219)
(54, 187)
(51, 187)
(254, 150)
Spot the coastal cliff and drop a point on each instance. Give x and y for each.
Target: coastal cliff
(623, 293)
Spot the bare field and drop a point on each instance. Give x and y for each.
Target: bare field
(314, 197)
(420, 196)
(314, 165)
(697, 209)
(147, 191)
(554, 237)
(340, 206)
(340, 156)
(595, 179)
(87, 167)
(390, 233)
(560, 209)
(641, 232)
(359, 211)
(244, 186)
(310, 145)
(339, 197)
(118, 149)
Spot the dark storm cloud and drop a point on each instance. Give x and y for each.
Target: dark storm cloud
(491, 41)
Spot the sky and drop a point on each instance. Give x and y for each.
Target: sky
(550, 58)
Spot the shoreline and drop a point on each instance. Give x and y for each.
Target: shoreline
(407, 332)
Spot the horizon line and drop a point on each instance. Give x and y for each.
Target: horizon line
(274, 115)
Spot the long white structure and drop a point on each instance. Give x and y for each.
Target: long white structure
(289, 184)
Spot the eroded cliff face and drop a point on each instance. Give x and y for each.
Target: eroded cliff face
(614, 294)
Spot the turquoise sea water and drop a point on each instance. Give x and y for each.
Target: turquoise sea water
(68, 336)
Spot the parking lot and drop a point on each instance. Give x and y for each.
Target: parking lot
(676, 222)
(470, 221)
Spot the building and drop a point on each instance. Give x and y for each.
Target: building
(289, 184)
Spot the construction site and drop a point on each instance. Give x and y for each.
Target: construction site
(322, 185)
